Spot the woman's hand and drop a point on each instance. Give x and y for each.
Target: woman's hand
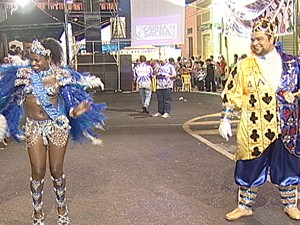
(83, 107)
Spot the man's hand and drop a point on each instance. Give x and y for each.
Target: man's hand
(225, 129)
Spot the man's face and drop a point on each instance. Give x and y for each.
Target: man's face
(261, 44)
(39, 62)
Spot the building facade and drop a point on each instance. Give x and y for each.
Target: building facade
(203, 33)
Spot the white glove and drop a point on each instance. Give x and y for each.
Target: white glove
(225, 129)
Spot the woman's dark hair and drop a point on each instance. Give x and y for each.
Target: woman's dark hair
(55, 48)
(143, 58)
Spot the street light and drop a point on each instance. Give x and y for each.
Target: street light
(22, 3)
(66, 2)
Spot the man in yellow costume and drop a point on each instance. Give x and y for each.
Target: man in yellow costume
(265, 88)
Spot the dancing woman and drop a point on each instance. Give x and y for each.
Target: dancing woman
(55, 104)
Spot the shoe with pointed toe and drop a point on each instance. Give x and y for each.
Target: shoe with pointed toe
(293, 212)
(239, 213)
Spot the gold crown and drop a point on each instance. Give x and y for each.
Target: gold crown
(264, 26)
(39, 49)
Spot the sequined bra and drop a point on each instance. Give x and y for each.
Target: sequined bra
(62, 77)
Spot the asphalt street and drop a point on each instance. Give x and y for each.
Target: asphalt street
(150, 171)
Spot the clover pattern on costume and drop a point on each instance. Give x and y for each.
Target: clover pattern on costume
(234, 71)
(266, 118)
(256, 152)
(224, 99)
(254, 135)
(230, 85)
(253, 117)
(252, 100)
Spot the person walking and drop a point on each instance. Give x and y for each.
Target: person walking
(200, 75)
(142, 76)
(210, 83)
(165, 78)
(53, 102)
(222, 67)
(265, 87)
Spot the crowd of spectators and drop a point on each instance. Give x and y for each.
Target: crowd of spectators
(16, 55)
(206, 75)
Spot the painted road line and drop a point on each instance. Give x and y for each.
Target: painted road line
(221, 149)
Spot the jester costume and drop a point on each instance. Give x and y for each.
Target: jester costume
(268, 132)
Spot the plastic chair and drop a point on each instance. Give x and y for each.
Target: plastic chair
(186, 82)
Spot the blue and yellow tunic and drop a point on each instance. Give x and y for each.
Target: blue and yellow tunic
(265, 114)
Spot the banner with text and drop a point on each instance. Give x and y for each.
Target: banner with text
(157, 22)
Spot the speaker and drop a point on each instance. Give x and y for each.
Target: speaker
(126, 72)
(108, 72)
(93, 30)
(93, 35)
(92, 22)
(91, 5)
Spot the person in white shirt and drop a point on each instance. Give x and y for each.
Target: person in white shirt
(164, 79)
(142, 77)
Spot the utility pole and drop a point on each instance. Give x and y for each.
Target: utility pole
(66, 32)
(118, 52)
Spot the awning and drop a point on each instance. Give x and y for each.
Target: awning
(31, 22)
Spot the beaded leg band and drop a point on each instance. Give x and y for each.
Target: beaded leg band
(36, 187)
(247, 197)
(289, 196)
(60, 191)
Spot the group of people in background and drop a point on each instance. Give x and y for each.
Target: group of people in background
(164, 74)
(16, 56)
(208, 75)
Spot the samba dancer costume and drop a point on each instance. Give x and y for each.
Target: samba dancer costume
(18, 83)
(264, 89)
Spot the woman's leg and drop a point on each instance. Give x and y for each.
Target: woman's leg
(37, 155)
(56, 161)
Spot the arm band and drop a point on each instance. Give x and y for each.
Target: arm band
(227, 113)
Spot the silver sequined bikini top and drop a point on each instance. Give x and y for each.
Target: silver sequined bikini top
(62, 77)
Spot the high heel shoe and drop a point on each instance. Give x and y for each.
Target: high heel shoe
(63, 219)
(38, 221)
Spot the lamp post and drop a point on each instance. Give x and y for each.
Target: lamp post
(118, 52)
(22, 3)
(66, 2)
